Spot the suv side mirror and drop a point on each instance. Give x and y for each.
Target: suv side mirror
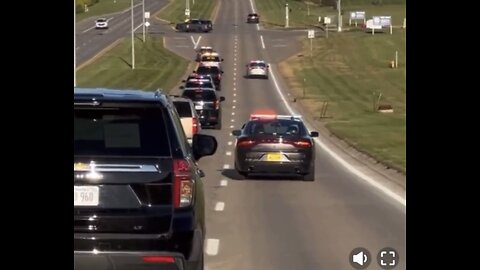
(222, 59)
(203, 145)
(314, 134)
(222, 99)
(184, 80)
(236, 132)
(182, 87)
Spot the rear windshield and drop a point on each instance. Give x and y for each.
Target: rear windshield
(200, 95)
(210, 58)
(262, 65)
(198, 84)
(120, 131)
(208, 70)
(275, 127)
(183, 108)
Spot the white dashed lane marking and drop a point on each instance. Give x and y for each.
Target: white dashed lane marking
(212, 245)
(219, 206)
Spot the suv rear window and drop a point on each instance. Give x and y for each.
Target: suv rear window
(208, 70)
(183, 108)
(200, 95)
(120, 131)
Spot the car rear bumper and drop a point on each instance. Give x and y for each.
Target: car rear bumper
(128, 260)
(269, 167)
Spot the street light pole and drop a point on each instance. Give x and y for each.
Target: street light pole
(133, 41)
(339, 16)
(286, 15)
(74, 43)
(143, 22)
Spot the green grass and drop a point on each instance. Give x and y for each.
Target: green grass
(273, 12)
(345, 70)
(175, 12)
(105, 7)
(155, 67)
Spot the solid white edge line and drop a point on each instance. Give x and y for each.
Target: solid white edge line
(340, 160)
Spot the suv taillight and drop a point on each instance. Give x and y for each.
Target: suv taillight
(182, 183)
(194, 125)
(216, 104)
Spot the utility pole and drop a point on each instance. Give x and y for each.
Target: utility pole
(286, 15)
(133, 41)
(339, 7)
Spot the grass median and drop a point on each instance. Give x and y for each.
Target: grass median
(350, 70)
(174, 12)
(305, 13)
(155, 67)
(105, 7)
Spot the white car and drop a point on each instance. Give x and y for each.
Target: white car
(188, 116)
(101, 23)
(257, 68)
(211, 59)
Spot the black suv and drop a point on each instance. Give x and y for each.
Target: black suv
(214, 72)
(195, 25)
(207, 104)
(138, 196)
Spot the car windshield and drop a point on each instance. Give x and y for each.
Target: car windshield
(120, 131)
(279, 127)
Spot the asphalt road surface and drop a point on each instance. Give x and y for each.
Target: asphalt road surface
(269, 223)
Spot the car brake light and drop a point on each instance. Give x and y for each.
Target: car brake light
(303, 143)
(194, 125)
(246, 142)
(159, 259)
(182, 183)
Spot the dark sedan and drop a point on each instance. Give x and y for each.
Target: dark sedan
(275, 144)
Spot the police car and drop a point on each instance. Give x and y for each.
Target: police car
(257, 69)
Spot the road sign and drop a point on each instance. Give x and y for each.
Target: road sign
(187, 12)
(327, 20)
(147, 15)
(147, 24)
(357, 15)
(311, 33)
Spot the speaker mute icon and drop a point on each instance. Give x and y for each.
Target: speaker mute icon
(359, 258)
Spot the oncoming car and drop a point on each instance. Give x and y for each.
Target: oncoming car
(257, 69)
(101, 23)
(275, 144)
(253, 18)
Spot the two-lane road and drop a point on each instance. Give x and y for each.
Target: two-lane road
(91, 41)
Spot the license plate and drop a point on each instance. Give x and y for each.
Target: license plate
(274, 157)
(85, 195)
(198, 107)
